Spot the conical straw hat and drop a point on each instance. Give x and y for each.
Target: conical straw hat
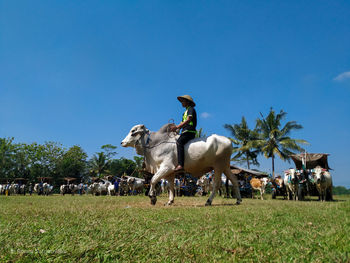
(188, 98)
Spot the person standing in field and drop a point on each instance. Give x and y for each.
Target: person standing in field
(116, 186)
(30, 189)
(188, 127)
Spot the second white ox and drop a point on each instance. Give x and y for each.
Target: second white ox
(324, 183)
(201, 156)
(135, 185)
(291, 182)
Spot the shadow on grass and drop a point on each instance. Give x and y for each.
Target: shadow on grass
(217, 205)
(313, 200)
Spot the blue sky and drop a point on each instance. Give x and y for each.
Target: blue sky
(84, 72)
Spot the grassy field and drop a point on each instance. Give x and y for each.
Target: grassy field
(129, 229)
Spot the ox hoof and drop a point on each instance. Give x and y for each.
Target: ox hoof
(153, 200)
(208, 203)
(238, 202)
(169, 203)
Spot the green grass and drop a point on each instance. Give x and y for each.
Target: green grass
(129, 229)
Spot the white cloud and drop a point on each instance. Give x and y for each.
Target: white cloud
(342, 76)
(205, 115)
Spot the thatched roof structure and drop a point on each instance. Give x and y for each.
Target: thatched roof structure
(4, 180)
(70, 179)
(240, 171)
(20, 180)
(312, 160)
(45, 179)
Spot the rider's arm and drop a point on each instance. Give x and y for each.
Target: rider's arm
(184, 123)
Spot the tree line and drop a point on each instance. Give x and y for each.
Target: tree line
(51, 159)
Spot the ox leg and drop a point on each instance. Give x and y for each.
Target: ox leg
(235, 186)
(161, 173)
(330, 193)
(216, 185)
(171, 189)
(323, 195)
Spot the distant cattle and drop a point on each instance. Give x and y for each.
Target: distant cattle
(13, 189)
(123, 186)
(47, 189)
(177, 185)
(164, 186)
(324, 184)
(204, 185)
(259, 185)
(135, 185)
(278, 187)
(64, 189)
(100, 188)
(291, 181)
(111, 190)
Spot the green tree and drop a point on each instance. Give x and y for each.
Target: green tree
(109, 150)
(121, 166)
(138, 164)
(341, 190)
(99, 164)
(45, 159)
(7, 161)
(275, 139)
(244, 140)
(73, 163)
(22, 160)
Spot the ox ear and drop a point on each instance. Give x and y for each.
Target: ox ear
(143, 128)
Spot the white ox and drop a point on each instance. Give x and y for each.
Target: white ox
(135, 185)
(201, 156)
(47, 189)
(63, 189)
(100, 188)
(164, 186)
(13, 189)
(177, 185)
(205, 185)
(94, 188)
(111, 190)
(73, 188)
(324, 184)
(291, 182)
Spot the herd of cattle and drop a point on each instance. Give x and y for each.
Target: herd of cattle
(299, 183)
(288, 187)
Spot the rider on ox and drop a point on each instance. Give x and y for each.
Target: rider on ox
(201, 155)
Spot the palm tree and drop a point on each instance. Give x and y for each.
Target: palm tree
(245, 139)
(99, 164)
(275, 140)
(139, 164)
